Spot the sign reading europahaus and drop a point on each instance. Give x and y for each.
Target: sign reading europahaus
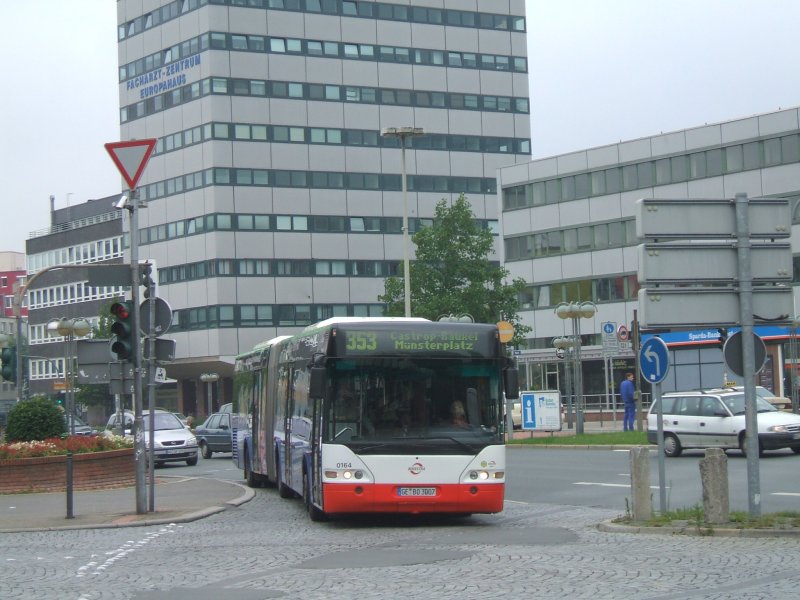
(163, 79)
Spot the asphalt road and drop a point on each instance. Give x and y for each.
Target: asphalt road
(601, 478)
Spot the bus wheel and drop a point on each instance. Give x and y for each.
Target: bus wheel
(252, 479)
(284, 491)
(313, 512)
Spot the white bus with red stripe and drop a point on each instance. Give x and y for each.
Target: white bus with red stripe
(385, 415)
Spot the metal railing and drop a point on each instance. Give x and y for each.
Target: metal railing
(77, 224)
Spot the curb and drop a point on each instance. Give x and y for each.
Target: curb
(247, 495)
(710, 531)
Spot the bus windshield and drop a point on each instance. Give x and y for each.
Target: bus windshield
(387, 405)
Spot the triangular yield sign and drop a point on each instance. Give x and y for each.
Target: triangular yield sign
(131, 158)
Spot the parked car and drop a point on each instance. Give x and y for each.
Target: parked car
(716, 419)
(214, 435)
(183, 419)
(778, 402)
(81, 427)
(172, 441)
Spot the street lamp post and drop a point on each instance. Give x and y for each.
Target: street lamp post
(576, 311)
(403, 133)
(209, 378)
(70, 329)
(563, 345)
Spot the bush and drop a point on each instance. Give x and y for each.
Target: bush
(35, 419)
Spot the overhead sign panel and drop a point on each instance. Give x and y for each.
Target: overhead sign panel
(131, 158)
(692, 218)
(701, 307)
(680, 263)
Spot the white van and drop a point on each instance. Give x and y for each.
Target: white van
(716, 419)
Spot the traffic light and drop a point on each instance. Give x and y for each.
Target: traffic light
(124, 344)
(9, 358)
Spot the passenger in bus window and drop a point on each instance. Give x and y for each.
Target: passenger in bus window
(458, 417)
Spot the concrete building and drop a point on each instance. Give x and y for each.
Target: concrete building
(569, 230)
(89, 233)
(272, 199)
(12, 273)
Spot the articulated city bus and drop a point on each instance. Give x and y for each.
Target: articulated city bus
(360, 415)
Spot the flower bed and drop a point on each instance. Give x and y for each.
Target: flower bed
(97, 463)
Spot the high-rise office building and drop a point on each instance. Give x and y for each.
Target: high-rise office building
(272, 200)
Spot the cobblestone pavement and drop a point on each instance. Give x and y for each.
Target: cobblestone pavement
(268, 548)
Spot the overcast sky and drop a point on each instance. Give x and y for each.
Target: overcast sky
(600, 72)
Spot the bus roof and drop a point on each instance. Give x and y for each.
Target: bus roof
(263, 345)
(337, 320)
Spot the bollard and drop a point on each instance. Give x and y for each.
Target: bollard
(69, 486)
(714, 477)
(640, 483)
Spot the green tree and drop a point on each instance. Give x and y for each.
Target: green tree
(35, 419)
(452, 273)
(97, 394)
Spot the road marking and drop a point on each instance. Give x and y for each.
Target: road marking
(785, 494)
(624, 485)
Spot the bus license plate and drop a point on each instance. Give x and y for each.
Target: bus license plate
(416, 491)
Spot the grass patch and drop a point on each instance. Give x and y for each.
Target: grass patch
(612, 438)
(694, 516)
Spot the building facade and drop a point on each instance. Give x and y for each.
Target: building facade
(272, 200)
(569, 231)
(83, 234)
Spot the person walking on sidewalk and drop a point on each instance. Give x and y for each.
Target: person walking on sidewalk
(626, 391)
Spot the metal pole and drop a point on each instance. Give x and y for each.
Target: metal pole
(208, 398)
(18, 316)
(576, 329)
(70, 514)
(406, 258)
(748, 352)
(151, 392)
(138, 422)
(637, 394)
(662, 477)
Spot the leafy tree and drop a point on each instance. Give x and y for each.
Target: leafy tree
(452, 273)
(35, 419)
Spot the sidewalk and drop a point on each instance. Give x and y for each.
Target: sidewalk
(177, 499)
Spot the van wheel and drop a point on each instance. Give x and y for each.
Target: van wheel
(796, 449)
(743, 445)
(672, 445)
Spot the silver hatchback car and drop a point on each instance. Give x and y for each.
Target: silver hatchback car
(716, 419)
(172, 442)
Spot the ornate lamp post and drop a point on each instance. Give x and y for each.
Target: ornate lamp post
(403, 133)
(70, 329)
(576, 311)
(209, 378)
(563, 346)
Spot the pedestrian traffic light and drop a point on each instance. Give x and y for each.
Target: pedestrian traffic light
(9, 369)
(124, 344)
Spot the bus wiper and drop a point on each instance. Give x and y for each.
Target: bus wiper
(440, 437)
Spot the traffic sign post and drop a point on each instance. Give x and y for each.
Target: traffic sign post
(654, 365)
(131, 158)
(692, 243)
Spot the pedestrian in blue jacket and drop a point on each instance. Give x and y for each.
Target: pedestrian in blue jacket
(626, 391)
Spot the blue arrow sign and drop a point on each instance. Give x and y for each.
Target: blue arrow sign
(654, 360)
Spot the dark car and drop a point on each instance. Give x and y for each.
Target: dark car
(80, 427)
(214, 435)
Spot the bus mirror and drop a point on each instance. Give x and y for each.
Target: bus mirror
(316, 386)
(511, 382)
